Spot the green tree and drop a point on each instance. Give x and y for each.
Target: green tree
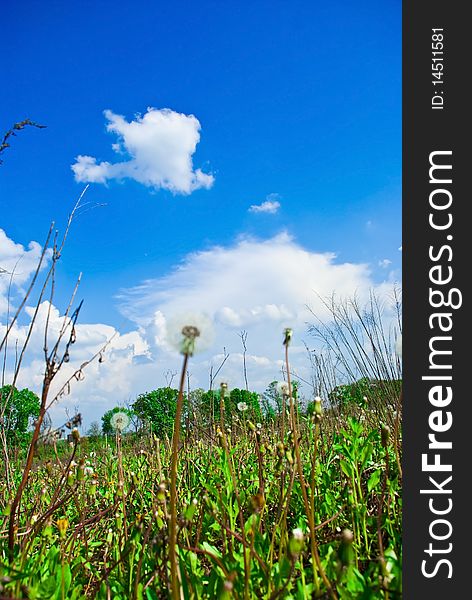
(19, 408)
(251, 399)
(106, 419)
(364, 392)
(157, 408)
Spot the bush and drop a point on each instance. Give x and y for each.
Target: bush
(19, 408)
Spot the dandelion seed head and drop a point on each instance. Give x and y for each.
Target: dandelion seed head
(242, 406)
(283, 388)
(119, 421)
(189, 333)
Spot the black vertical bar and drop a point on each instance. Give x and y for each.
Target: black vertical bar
(435, 119)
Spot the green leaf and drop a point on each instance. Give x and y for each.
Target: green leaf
(374, 480)
(211, 549)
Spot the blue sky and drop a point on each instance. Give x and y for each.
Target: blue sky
(297, 102)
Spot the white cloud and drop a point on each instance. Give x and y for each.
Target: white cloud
(160, 145)
(17, 264)
(385, 263)
(270, 206)
(259, 286)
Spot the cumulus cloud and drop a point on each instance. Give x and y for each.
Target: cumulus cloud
(249, 282)
(261, 286)
(105, 383)
(385, 263)
(17, 264)
(159, 147)
(270, 206)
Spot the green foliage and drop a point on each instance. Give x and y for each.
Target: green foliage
(106, 419)
(157, 408)
(251, 399)
(209, 409)
(126, 554)
(19, 407)
(363, 392)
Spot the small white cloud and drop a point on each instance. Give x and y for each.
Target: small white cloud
(400, 248)
(385, 263)
(160, 145)
(270, 206)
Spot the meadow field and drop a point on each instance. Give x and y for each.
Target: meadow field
(217, 494)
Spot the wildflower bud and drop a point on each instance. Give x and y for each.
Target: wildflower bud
(296, 543)
(81, 470)
(227, 591)
(161, 492)
(93, 487)
(75, 434)
(251, 426)
(280, 448)
(258, 502)
(350, 497)
(385, 434)
(70, 478)
(289, 457)
(317, 408)
(62, 525)
(346, 551)
(287, 336)
(190, 510)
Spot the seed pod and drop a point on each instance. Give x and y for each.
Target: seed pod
(62, 525)
(346, 551)
(296, 543)
(384, 435)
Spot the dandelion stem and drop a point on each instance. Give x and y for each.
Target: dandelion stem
(317, 566)
(174, 568)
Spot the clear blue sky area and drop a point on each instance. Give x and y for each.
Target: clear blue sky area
(300, 99)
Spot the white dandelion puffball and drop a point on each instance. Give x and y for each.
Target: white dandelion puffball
(398, 346)
(283, 388)
(189, 333)
(242, 406)
(119, 421)
(298, 534)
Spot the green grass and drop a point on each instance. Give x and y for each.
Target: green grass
(239, 501)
